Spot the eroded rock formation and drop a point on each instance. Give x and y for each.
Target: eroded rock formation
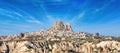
(59, 38)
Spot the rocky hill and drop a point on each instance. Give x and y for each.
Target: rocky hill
(59, 38)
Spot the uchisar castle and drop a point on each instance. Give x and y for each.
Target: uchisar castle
(59, 38)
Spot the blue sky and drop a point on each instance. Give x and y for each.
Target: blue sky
(92, 16)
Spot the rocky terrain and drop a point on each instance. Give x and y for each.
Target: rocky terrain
(59, 38)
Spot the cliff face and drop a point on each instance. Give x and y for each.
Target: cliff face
(59, 38)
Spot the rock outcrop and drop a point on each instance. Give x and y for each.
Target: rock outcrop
(68, 27)
(59, 26)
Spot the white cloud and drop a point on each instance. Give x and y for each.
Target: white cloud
(10, 14)
(34, 21)
(81, 15)
(78, 17)
(104, 6)
(20, 15)
(27, 17)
